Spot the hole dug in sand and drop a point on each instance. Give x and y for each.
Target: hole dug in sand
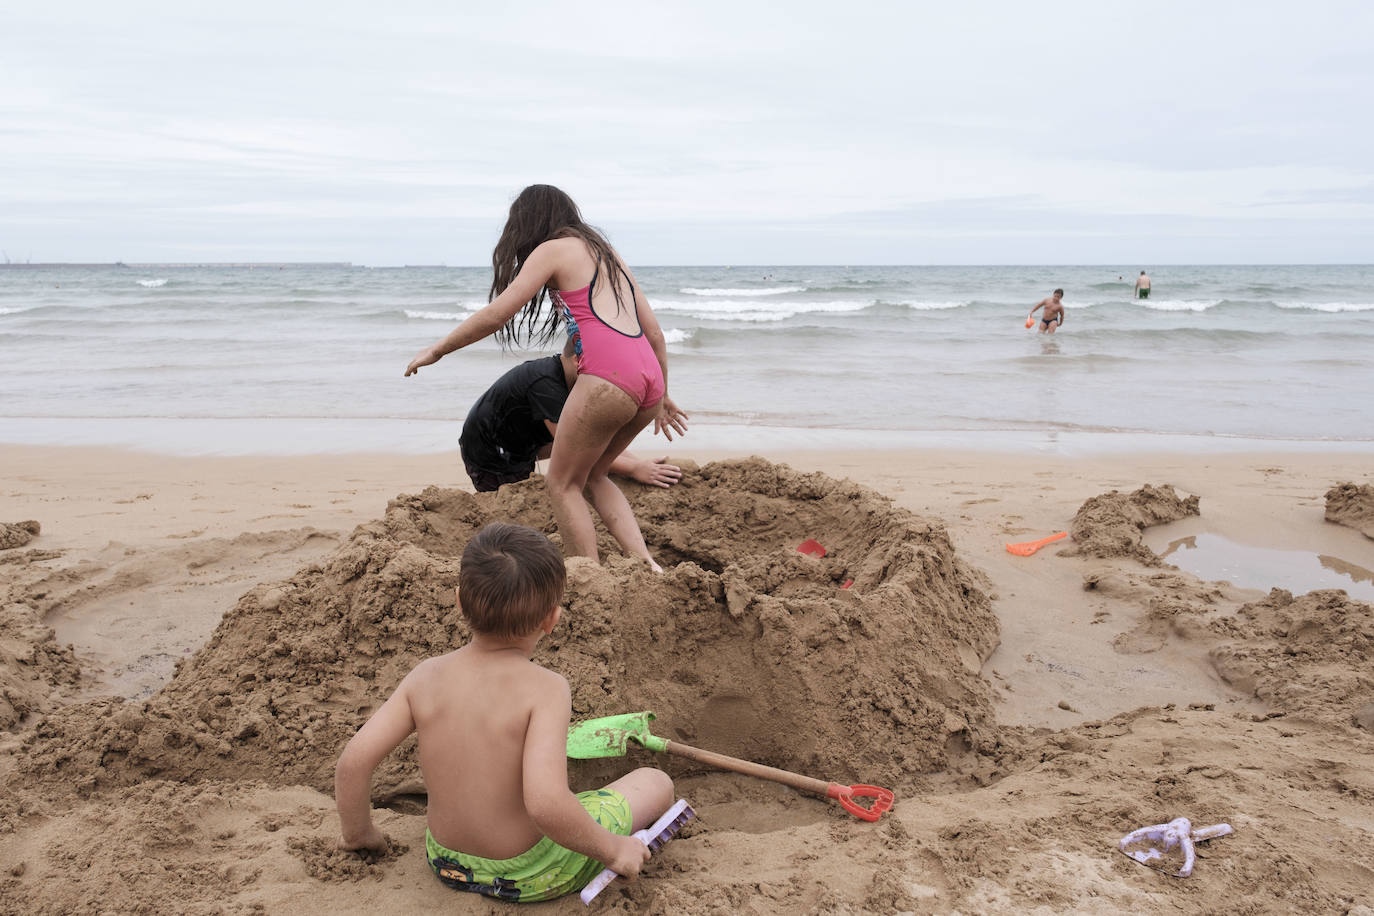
(744, 646)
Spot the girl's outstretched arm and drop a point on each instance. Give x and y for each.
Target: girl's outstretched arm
(534, 275)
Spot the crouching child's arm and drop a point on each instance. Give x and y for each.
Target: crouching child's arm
(549, 801)
(387, 728)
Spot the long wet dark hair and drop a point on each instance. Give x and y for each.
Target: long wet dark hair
(542, 212)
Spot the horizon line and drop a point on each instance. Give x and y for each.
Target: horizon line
(359, 266)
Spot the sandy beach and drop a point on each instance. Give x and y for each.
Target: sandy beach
(188, 641)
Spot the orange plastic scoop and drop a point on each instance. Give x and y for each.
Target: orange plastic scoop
(1029, 321)
(1026, 548)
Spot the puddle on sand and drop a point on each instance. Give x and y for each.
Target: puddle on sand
(1211, 556)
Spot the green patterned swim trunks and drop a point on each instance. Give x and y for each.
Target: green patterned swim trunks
(544, 871)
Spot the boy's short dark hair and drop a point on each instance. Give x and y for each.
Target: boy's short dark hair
(511, 578)
(1059, 292)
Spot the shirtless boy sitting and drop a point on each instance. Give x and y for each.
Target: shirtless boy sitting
(1053, 318)
(493, 731)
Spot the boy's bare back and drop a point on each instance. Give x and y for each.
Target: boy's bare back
(493, 742)
(472, 710)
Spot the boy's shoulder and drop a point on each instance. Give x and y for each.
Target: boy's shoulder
(547, 675)
(440, 666)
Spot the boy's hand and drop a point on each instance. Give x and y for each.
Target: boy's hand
(657, 473)
(629, 857)
(373, 839)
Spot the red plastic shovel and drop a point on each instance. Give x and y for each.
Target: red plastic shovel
(1026, 548)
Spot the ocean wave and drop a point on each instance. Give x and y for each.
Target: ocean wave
(153, 284)
(1177, 305)
(7, 311)
(767, 291)
(1328, 306)
(748, 310)
(929, 306)
(436, 316)
(677, 335)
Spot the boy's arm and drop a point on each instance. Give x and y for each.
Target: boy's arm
(387, 728)
(1037, 308)
(551, 805)
(654, 472)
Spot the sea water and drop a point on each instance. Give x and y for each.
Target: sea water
(312, 357)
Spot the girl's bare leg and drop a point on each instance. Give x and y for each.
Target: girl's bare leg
(610, 502)
(595, 412)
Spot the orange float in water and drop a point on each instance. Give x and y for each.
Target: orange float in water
(1026, 548)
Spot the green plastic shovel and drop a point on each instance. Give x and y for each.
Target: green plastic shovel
(610, 736)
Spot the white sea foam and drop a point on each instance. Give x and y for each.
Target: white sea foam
(933, 306)
(749, 310)
(153, 284)
(1329, 306)
(436, 316)
(1176, 305)
(5, 311)
(766, 291)
(677, 335)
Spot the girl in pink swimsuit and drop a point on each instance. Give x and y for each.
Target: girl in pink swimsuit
(547, 250)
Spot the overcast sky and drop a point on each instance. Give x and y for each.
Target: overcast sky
(693, 133)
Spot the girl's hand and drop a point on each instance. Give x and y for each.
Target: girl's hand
(426, 357)
(670, 418)
(372, 840)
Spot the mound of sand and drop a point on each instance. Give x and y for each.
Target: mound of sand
(744, 646)
(1311, 656)
(1110, 525)
(1353, 506)
(17, 534)
(32, 666)
(212, 795)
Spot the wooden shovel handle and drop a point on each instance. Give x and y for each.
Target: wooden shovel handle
(749, 768)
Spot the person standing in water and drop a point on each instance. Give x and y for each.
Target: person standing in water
(1053, 318)
(1142, 286)
(547, 252)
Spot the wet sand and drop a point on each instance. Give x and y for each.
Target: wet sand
(1031, 712)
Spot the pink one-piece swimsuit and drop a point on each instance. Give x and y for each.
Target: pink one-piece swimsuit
(625, 360)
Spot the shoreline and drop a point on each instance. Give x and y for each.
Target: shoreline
(319, 436)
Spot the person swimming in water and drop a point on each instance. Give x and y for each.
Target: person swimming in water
(1053, 318)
